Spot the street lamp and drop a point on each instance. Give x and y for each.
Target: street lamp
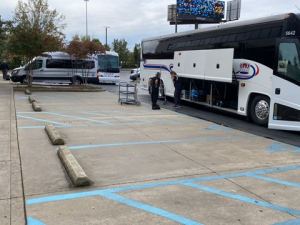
(86, 18)
(106, 34)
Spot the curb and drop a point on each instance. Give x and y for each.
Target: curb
(31, 99)
(36, 107)
(54, 135)
(27, 92)
(74, 170)
(54, 89)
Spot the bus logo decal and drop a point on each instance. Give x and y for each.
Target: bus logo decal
(245, 71)
(157, 66)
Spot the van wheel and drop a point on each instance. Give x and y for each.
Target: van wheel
(78, 81)
(24, 80)
(260, 109)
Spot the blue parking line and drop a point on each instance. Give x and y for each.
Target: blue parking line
(291, 222)
(161, 142)
(117, 117)
(47, 121)
(111, 194)
(32, 221)
(79, 118)
(148, 208)
(275, 181)
(157, 184)
(277, 147)
(244, 199)
(115, 124)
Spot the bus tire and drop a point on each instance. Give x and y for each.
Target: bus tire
(260, 109)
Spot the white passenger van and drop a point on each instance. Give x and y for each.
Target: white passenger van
(58, 67)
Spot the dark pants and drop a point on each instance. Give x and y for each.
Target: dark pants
(154, 96)
(177, 95)
(4, 72)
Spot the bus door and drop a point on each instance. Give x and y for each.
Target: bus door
(285, 93)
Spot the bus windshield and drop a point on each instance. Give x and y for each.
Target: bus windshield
(108, 64)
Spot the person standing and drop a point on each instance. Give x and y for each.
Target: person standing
(155, 83)
(178, 89)
(4, 68)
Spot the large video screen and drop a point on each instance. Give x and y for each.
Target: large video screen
(201, 8)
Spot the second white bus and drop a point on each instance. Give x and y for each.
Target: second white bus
(251, 68)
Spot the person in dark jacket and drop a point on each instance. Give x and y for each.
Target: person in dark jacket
(178, 89)
(4, 68)
(155, 83)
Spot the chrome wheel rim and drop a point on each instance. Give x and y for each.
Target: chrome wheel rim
(262, 110)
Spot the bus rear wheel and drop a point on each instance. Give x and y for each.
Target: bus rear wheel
(260, 109)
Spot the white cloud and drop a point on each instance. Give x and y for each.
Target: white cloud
(134, 20)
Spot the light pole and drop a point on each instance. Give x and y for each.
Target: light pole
(86, 18)
(106, 34)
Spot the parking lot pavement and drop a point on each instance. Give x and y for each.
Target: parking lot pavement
(150, 167)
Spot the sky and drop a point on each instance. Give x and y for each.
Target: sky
(135, 20)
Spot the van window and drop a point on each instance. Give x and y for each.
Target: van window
(69, 64)
(37, 64)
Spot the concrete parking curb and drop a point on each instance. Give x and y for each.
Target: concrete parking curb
(74, 170)
(31, 99)
(36, 107)
(27, 92)
(54, 135)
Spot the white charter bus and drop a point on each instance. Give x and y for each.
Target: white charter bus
(108, 70)
(251, 68)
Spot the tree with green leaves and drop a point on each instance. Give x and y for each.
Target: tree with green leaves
(36, 30)
(4, 32)
(120, 46)
(137, 54)
(80, 50)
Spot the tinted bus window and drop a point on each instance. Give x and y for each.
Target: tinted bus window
(232, 38)
(224, 38)
(275, 32)
(255, 34)
(288, 61)
(265, 33)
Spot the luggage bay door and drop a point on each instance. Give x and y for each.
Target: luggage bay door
(212, 65)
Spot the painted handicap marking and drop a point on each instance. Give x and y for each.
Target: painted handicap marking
(218, 128)
(277, 147)
(32, 221)
(111, 194)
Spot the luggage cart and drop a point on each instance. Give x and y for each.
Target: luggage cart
(128, 93)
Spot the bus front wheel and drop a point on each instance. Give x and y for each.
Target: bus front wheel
(260, 108)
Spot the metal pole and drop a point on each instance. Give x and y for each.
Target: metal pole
(176, 23)
(106, 34)
(175, 18)
(86, 18)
